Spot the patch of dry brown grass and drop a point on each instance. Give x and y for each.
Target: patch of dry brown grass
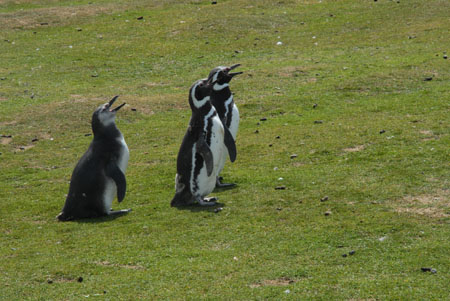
(5, 140)
(435, 205)
(125, 266)
(429, 135)
(51, 16)
(284, 281)
(357, 148)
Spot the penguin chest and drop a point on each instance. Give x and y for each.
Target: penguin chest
(124, 155)
(234, 121)
(231, 116)
(216, 145)
(110, 186)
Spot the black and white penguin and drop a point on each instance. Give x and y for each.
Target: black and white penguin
(222, 100)
(100, 173)
(201, 150)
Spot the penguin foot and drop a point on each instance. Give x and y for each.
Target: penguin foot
(219, 183)
(118, 212)
(207, 201)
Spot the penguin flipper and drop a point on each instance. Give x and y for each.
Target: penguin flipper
(114, 172)
(203, 149)
(230, 144)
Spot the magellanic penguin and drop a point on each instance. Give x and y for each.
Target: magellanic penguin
(201, 150)
(222, 100)
(100, 173)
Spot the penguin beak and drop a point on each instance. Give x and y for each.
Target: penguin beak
(234, 66)
(232, 74)
(118, 108)
(113, 100)
(111, 103)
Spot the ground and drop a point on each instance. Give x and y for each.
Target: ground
(344, 104)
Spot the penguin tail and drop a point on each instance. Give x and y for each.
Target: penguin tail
(181, 199)
(176, 201)
(62, 217)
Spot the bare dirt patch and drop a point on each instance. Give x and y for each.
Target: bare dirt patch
(75, 98)
(357, 148)
(435, 205)
(291, 71)
(426, 132)
(298, 164)
(125, 266)
(25, 147)
(50, 16)
(62, 279)
(429, 135)
(5, 141)
(284, 281)
(5, 123)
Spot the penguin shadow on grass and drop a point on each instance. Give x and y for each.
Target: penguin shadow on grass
(197, 208)
(100, 219)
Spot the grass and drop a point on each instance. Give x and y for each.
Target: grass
(345, 92)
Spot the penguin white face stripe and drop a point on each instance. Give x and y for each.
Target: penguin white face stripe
(227, 104)
(208, 116)
(198, 103)
(215, 76)
(218, 87)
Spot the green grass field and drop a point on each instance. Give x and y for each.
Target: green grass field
(359, 90)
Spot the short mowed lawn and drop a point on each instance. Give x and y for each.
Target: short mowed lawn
(342, 166)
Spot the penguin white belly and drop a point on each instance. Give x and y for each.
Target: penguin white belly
(110, 187)
(234, 125)
(204, 183)
(124, 155)
(109, 194)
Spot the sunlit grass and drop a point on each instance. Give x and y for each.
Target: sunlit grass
(347, 92)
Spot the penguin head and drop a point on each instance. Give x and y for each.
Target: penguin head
(222, 76)
(199, 93)
(105, 116)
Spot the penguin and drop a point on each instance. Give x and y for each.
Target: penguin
(100, 173)
(222, 100)
(201, 150)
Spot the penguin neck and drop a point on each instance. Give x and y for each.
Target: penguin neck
(199, 115)
(220, 96)
(221, 100)
(109, 132)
